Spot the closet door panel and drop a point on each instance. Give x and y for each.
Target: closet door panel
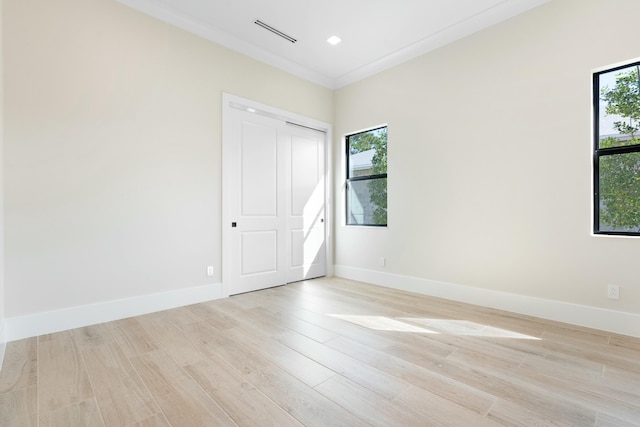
(273, 201)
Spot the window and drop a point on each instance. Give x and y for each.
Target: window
(616, 99)
(367, 177)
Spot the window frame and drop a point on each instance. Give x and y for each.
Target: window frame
(599, 153)
(349, 179)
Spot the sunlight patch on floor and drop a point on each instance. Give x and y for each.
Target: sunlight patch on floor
(468, 328)
(431, 326)
(381, 323)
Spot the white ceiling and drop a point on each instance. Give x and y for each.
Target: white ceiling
(376, 34)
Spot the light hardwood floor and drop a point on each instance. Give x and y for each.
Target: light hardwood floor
(319, 353)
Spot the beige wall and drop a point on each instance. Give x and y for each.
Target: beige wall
(113, 150)
(2, 298)
(112, 144)
(490, 159)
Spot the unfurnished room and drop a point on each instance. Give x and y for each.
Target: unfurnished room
(305, 213)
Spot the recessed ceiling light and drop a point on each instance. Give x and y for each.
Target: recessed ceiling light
(334, 40)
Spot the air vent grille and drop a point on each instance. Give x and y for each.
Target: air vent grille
(275, 31)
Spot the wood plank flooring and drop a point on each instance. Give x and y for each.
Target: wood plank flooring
(326, 352)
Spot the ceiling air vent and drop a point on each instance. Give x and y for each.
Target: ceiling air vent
(275, 31)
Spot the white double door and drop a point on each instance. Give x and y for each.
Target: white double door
(274, 190)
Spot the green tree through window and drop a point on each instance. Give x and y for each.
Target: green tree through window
(367, 177)
(617, 151)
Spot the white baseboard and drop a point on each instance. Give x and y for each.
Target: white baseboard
(575, 314)
(3, 341)
(32, 325)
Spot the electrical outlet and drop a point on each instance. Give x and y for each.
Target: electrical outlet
(613, 292)
(210, 270)
(383, 261)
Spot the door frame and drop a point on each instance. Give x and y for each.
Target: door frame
(229, 102)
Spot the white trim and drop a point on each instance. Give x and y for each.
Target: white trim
(3, 340)
(502, 11)
(591, 317)
(164, 13)
(3, 348)
(32, 325)
(235, 101)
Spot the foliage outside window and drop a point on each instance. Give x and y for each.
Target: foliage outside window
(367, 177)
(617, 150)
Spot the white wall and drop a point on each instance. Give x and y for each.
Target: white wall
(2, 331)
(112, 139)
(113, 152)
(490, 164)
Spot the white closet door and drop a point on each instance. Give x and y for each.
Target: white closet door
(256, 244)
(306, 204)
(274, 196)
